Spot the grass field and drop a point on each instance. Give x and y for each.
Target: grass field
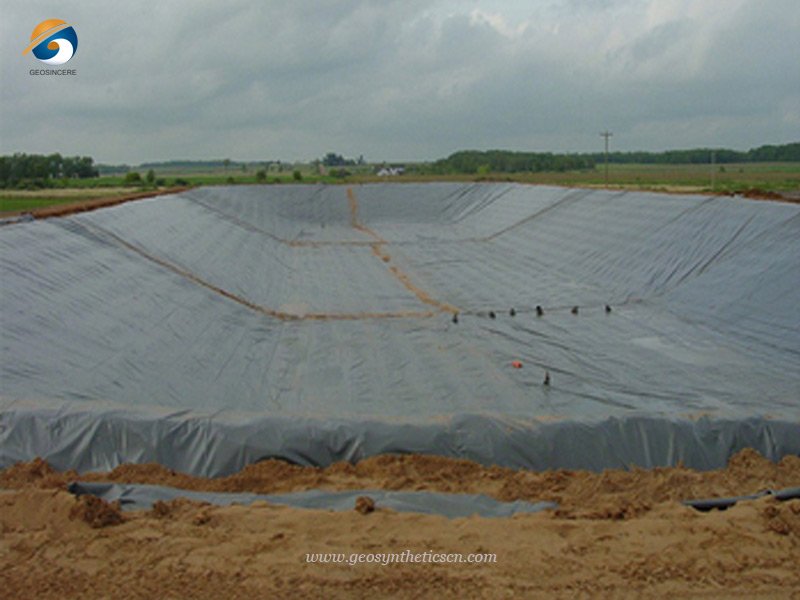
(22, 200)
(767, 177)
(732, 178)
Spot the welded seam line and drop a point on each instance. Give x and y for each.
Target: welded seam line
(277, 314)
(378, 251)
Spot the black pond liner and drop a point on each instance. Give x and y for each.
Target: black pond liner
(140, 496)
(217, 327)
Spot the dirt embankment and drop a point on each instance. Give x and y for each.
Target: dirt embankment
(580, 494)
(618, 532)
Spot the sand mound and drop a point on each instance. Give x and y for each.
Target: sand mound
(610, 494)
(96, 512)
(615, 533)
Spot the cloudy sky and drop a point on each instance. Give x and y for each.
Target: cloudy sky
(401, 80)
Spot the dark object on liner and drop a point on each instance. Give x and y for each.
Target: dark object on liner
(365, 505)
(725, 503)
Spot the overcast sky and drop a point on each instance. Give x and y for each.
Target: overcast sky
(401, 80)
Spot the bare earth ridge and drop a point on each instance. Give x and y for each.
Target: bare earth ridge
(617, 532)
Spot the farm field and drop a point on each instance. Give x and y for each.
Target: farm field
(779, 179)
(25, 200)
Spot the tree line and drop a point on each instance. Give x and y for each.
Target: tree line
(40, 170)
(769, 153)
(506, 161)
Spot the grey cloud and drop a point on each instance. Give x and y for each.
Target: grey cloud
(402, 80)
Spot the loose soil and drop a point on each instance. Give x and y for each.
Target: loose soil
(619, 533)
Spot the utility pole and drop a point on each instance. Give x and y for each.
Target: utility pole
(713, 170)
(606, 134)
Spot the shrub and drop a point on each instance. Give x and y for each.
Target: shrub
(297, 176)
(35, 183)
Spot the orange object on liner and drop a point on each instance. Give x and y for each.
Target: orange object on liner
(516, 364)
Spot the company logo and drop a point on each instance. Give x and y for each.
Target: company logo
(53, 42)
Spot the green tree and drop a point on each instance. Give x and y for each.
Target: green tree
(261, 175)
(297, 176)
(150, 177)
(331, 159)
(133, 178)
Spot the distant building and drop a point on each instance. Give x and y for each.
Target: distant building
(390, 171)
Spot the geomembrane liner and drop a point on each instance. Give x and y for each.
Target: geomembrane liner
(141, 496)
(220, 326)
